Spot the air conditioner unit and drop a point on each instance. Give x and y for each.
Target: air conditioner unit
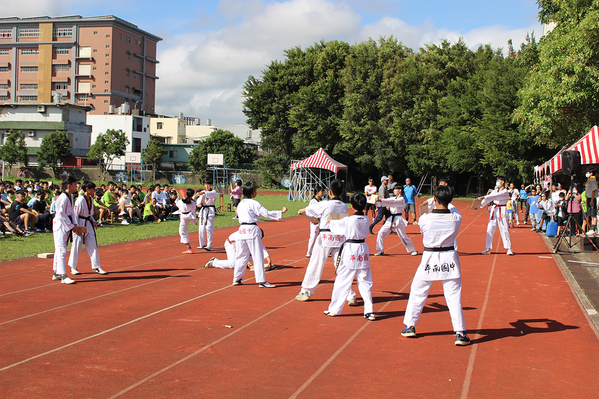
(31, 133)
(41, 108)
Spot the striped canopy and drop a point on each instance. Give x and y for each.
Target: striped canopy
(588, 146)
(320, 160)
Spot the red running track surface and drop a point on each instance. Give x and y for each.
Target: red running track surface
(158, 326)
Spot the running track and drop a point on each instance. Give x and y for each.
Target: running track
(158, 326)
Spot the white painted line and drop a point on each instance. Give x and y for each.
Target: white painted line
(591, 312)
(546, 257)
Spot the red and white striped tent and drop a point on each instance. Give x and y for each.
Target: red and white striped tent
(317, 170)
(588, 146)
(320, 160)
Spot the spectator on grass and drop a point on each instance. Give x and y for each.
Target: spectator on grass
(20, 213)
(151, 212)
(128, 207)
(236, 193)
(111, 199)
(101, 211)
(171, 206)
(160, 198)
(38, 204)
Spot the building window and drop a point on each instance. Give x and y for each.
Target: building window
(5, 33)
(105, 90)
(95, 32)
(28, 86)
(105, 101)
(61, 86)
(29, 68)
(94, 68)
(127, 90)
(158, 125)
(3, 98)
(106, 81)
(61, 50)
(93, 86)
(120, 36)
(28, 98)
(4, 51)
(29, 51)
(108, 46)
(3, 69)
(107, 35)
(127, 73)
(107, 55)
(106, 73)
(3, 86)
(62, 32)
(173, 154)
(106, 63)
(137, 59)
(136, 144)
(29, 32)
(95, 50)
(81, 99)
(60, 68)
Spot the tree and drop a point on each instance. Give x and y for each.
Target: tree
(220, 142)
(152, 153)
(559, 101)
(55, 147)
(107, 148)
(14, 150)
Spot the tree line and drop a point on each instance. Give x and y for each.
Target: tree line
(378, 106)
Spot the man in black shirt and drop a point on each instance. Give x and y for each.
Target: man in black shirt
(20, 213)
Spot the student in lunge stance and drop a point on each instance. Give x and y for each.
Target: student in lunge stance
(326, 244)
(394, 221)
(62, 226)
(84, 216)
(187, 208)
(249, 240)
(314, 228)
(440, 262)
(206, 215)
(353, 260)
(498, 216)
(229, 263)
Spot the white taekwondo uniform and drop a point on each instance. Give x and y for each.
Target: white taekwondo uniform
(84, 212)
(498, 217)
(249, 239)
(314, 230)
(354, 261)
(431, 205)
(61, 229)
(439, 262)
(188, 214)
(326, 244)
(396, 222)
(230, 249)
(206, 217)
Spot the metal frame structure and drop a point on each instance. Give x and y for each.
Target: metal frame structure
(304, 180)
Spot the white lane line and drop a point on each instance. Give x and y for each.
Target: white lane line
(470, 367)
(345, 345)
(199, 351)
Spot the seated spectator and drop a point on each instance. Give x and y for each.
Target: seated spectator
(20, 214)
(160, 198)
(128, 207)
(38, 204)
(7, 225)
(111, 200)
(170, 203)
(151, 213)
(101, 211)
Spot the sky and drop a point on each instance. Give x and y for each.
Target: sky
(210, 47)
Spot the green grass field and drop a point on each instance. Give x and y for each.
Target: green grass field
(13, 247)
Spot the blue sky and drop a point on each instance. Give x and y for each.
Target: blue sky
(211, 47)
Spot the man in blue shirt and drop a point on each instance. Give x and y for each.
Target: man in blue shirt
(409, 194)
(531, 207)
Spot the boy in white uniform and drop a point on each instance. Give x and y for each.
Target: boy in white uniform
(62, 226)
(440, 262)
(498, 216)
(394, 221)
(353, 260)
(206, 215)
(314, 228)
(327, 244)
(230, 249)
(187, 208)
(249, 241)
(84, 216)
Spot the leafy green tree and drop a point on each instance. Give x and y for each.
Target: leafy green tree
(153, 152)
(220, 142)
(14, 151)
(55, 147)
(559, 101)
(107, 148)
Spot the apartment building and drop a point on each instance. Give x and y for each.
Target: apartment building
(100, 62)
(168, 130)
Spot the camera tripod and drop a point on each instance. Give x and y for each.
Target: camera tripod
(569, 224)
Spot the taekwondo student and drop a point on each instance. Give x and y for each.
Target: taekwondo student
(206, 215)
(353, 260)
(229, 263)
(498, 216)
(394, 221)
(326, 244)
(444, 181)
(440, 262)
(84, 211)
(314, 228)
(62, 226)
(187, 208)
(249, 241)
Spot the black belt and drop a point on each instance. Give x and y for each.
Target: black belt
(337, 261)
(255, 224)
(354, 241)
(440, 249)
(203, 220)
(185, 213)
(321, 230)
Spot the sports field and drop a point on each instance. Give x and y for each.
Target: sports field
(160, 325)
